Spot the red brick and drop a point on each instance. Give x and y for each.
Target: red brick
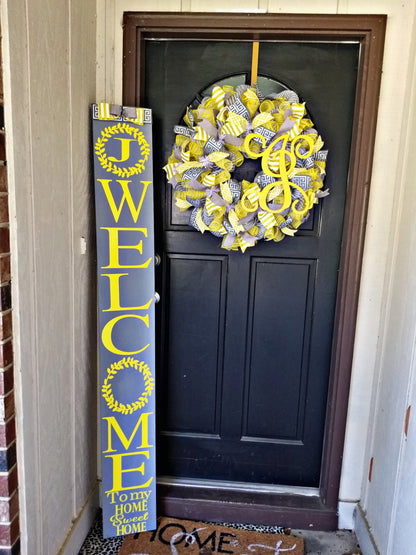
(6, 354)
(9, 508)
(6, 380)
(8, 483)
(9, 533)
(8, 401)
(5, 325)
(5, 297)
(4, 208)
(2, 146)
(5, 268)
(6, 407)
(4, 239)
(3, 179)
(7, 432)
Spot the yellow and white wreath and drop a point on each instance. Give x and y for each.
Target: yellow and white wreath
(221, 136)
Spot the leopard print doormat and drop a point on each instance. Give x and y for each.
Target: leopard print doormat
(177, 537)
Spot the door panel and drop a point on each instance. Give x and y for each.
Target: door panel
(203, 278)
(272, 319)
(245, 339)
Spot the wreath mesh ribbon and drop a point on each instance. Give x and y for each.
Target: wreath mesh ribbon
(226, 130)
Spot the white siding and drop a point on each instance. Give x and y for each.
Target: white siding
(390, 496)
(50, 82)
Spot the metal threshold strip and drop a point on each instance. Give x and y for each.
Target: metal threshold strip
(237, 486)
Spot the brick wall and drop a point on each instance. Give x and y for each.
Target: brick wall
(9, 502)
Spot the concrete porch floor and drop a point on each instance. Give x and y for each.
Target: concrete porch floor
(340, 542)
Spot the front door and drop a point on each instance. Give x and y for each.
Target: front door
(245, 339)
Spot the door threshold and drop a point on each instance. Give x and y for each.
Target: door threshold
(237, 486)
(216, 501)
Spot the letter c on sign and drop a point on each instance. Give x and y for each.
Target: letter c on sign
(107, 339)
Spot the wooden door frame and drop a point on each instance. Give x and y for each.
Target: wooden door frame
(300, 511)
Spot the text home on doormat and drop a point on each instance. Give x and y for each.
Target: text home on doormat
(177, 537)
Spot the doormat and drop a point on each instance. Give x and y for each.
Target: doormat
(177, 537)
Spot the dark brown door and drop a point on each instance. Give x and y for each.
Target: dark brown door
(245, 339)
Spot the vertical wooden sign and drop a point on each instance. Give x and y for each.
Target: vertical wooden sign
(125, 265)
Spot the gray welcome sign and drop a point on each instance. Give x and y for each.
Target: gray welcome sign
(125, 266)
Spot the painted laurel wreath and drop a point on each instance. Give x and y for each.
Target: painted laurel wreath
(110, 166)
(143, 398)
(223, 136)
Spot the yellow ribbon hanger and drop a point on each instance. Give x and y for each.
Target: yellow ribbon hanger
(254, 62)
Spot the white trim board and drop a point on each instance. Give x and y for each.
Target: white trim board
(346, 510)
(81, 525)
(363, 533)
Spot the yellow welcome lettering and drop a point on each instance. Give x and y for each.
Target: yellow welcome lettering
(107, 332)
(142, 423)
(115, 295)
(118, 471)
(114, 247)
(116, 210)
